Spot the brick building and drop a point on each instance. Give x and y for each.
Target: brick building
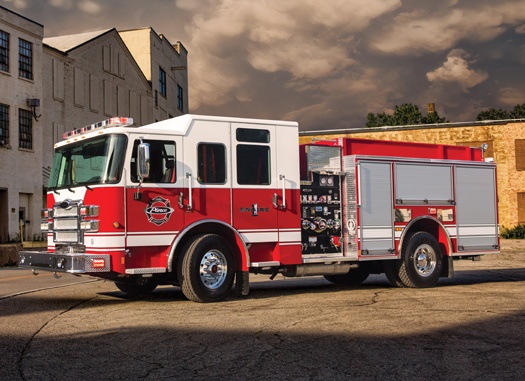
(506, 144)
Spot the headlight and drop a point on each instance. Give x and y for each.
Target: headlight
(89, 210)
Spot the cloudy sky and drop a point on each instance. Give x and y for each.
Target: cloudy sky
(324, 63)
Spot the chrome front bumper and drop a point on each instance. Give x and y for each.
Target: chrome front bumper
(77, 263)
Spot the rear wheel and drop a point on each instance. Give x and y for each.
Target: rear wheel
(420, 265)
(353, 278)
(207, 269)
(135, 290)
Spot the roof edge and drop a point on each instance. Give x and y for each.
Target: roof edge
(410, 127)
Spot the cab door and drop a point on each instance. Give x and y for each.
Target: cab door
(153, 217)
(255, 199)
(206, 172)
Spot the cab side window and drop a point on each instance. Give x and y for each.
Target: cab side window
(253, 160)
(211, 160)
(162, 163)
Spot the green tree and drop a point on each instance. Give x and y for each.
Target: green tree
(518, 112)
(406, 114)
(378, 120)
(433, 118)
(493, 114)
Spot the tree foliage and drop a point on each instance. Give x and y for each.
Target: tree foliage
(518, 112)
(406, 114)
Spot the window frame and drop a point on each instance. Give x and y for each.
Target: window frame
(163, 88)
(4, 51)
(4, 125)
(25, 131)
(519, 152)
(25, 59)
(520, 206)
(180, 98)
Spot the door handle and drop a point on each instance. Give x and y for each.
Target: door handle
(181, 200)
(275, 196)
(283, 178)
(190, 192)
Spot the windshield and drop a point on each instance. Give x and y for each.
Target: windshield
(95, 161)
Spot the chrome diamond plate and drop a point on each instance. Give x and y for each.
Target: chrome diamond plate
(323, 158)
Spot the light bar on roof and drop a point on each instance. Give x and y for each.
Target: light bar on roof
(111, 122)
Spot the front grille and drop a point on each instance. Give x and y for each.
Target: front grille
(65, 224)
(71, 211)
(69, 237)
(69, 220)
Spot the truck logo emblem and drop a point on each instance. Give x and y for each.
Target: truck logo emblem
(158, 211)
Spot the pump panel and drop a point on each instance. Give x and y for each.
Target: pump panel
(321, 214)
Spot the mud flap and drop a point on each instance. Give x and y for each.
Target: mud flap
(242, 283)
(448, 267)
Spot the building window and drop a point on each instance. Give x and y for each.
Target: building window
(521, 207)
(4, 125)
(519, 149)
(25, 129)
(162, 82)
(25, 59)
(4, 51)
(180, 98)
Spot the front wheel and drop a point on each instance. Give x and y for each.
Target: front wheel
(420, 265)
(207, 269)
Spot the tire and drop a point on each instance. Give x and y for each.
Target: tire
(352, 279)
(207, 269)
(136, 290)
(420, 265)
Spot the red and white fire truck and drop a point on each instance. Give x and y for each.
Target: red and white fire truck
(201, 202)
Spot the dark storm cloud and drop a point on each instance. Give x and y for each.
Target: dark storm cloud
(325, 64)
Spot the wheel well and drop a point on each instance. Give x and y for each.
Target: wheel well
(222, 230)
(431, 226)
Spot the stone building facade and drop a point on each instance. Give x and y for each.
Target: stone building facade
(52, 85)
(90, 77)
(21, 130)
(165, 67)
(506, 144)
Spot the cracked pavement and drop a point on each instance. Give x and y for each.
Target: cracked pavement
(468, 327)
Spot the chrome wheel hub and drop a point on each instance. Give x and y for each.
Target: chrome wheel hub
(213, 269)
(425, 260)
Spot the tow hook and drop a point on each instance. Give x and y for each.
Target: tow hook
(56, 276)
(35, 273)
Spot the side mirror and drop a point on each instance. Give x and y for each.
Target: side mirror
(143, 160)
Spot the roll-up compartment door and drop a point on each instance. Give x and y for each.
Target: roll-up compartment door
(376, 208)
(477, 223)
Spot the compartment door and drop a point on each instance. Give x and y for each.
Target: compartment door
(477, 215)
(376, 221)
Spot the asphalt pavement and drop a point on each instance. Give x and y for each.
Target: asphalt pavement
(471, 327)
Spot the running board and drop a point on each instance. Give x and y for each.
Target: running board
(146, 270)
(309, 259)
(265, 264)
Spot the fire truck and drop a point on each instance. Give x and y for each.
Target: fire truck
(201, 202)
